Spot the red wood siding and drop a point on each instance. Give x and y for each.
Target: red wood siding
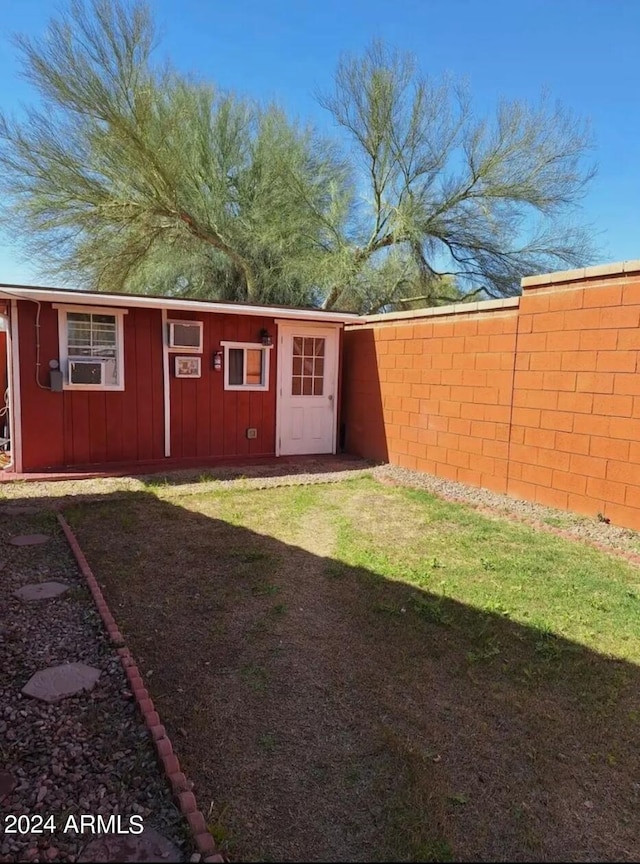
(206, 419)
(3, 364)
(81, 428)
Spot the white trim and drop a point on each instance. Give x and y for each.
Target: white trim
(227, 343)
(185, 349)
(324, 324)
(104, 310)
(412, 315)
(247, 346)
(166, 386)
(63, 342)
(50, 295)
(280, 341)
(15, 403)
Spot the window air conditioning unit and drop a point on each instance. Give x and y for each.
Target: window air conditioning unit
(185, 335)
(86, 372)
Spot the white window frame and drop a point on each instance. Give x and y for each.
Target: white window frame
(64, 345)
(185, 349)
(253, 346)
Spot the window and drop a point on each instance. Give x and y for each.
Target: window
(185, 336)
(246, 366)
(91, 348)
(307, 378)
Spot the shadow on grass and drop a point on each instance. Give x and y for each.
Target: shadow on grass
(327, 713)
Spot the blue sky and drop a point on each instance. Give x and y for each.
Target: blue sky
(585, 52)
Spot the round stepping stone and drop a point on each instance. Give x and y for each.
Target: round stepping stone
(29, 539)
(148, 846)
(59, 682)
(7, 784)
(41, 591)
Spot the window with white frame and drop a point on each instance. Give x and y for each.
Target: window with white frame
(246, 366)
(91, 348)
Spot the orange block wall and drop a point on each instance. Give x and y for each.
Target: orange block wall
(541, 401)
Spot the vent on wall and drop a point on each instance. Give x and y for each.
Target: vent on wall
(185, 335)
(86, 372)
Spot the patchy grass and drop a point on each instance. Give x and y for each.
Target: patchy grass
(369, 673)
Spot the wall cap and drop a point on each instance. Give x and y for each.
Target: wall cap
(618, 268)
(437, 311)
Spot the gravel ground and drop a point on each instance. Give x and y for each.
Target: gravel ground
(89, 753)
(581, 527)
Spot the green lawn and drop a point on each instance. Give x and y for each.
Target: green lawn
(361, 672)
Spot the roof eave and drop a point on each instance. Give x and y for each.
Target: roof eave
(85, 298)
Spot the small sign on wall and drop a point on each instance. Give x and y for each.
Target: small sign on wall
(188, 367)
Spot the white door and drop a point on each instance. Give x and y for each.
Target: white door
(307, 389)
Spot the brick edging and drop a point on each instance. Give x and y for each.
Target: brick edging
(178, 783)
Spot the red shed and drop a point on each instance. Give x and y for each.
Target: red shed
(96, 381)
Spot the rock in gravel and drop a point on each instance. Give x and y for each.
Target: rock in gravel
(29, 540)
(41, 591)
(148, 846)
(59, 682)
(7, 784)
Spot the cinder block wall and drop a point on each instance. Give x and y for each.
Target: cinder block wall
(537, 396)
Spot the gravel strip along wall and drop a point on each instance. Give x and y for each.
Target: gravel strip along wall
(178, 783)
(609, 538)
(88, 754)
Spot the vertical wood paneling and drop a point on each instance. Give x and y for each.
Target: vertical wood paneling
(134, 395)
(42, 411)
(229, 397)
(76, 428)
(3, 362)
(216, 389)
(156, 400)
(98, 427)
(144, 375)
(114, 442)
(81, 426)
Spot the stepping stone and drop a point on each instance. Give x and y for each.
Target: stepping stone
(148, 846)
(7, 784)
(29, 539)
(41, 591)
(58, 682)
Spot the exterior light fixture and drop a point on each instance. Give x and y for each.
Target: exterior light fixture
(217, 361)
(265, 337)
